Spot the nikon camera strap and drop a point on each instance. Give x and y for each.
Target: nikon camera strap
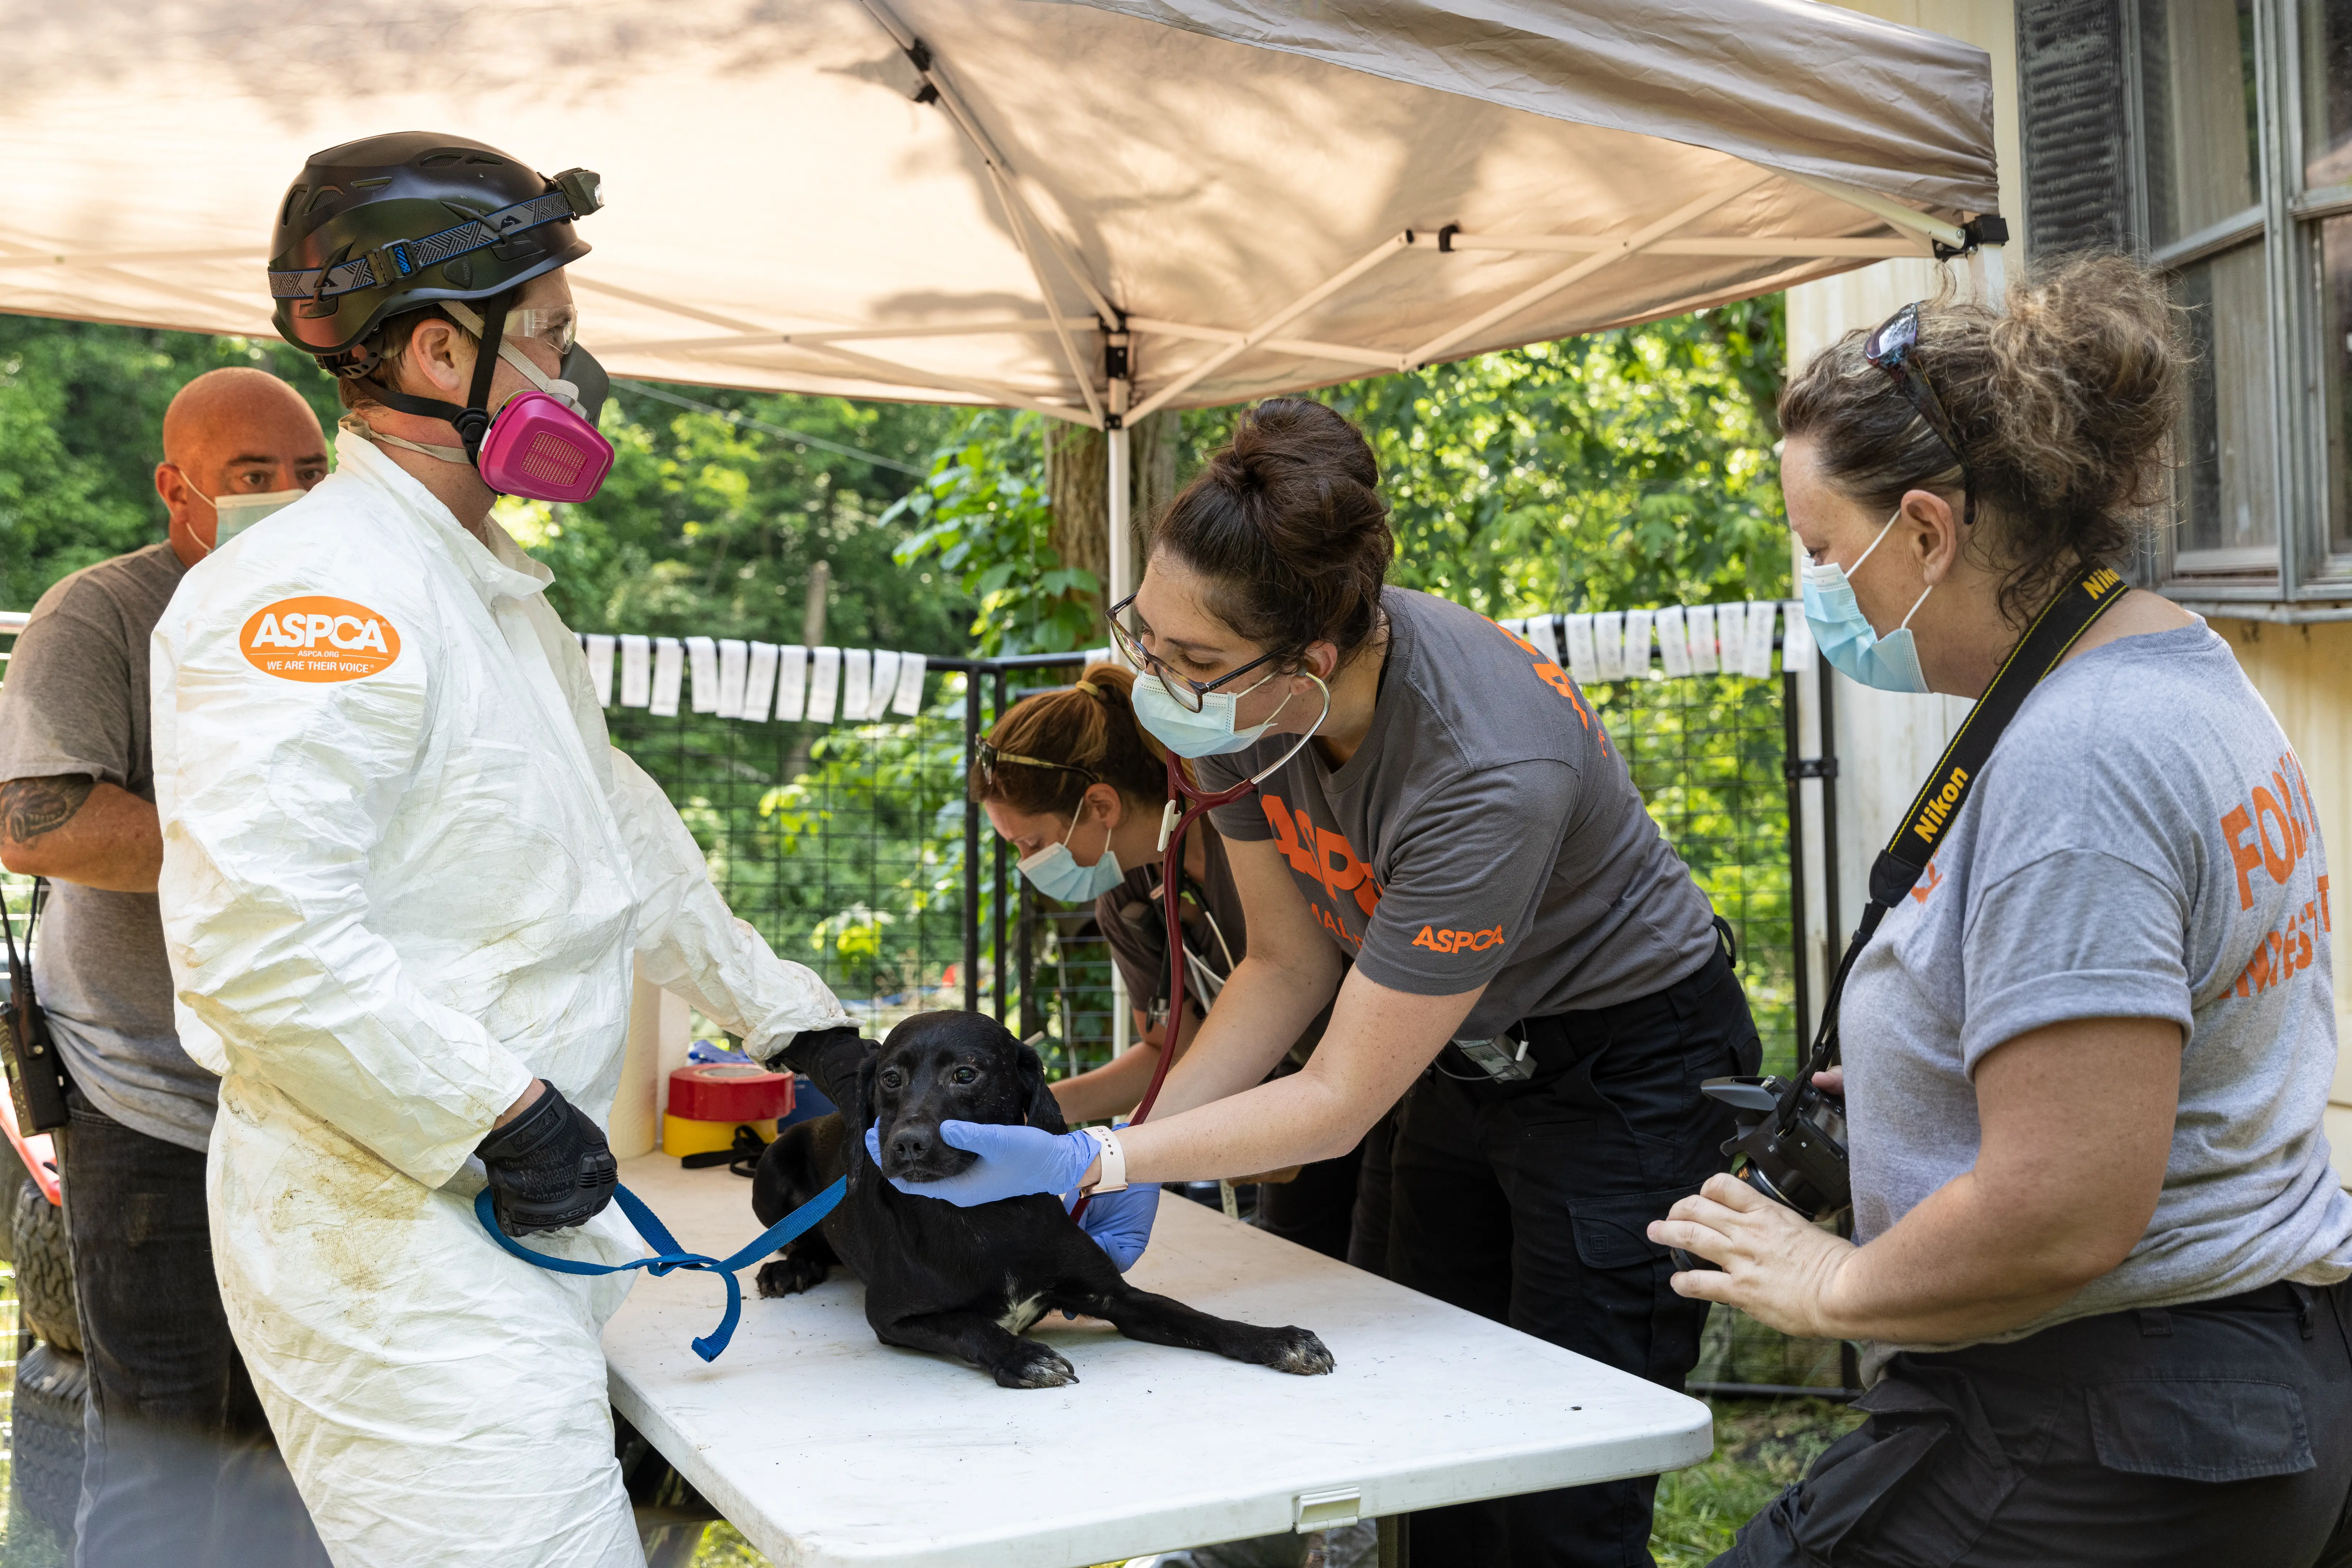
(2056, 631)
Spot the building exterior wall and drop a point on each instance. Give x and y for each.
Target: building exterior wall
(1886, 742)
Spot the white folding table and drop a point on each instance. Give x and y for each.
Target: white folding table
(826, 1447)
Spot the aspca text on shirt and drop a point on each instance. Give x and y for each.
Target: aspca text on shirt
(2269, 831)
(317, 637)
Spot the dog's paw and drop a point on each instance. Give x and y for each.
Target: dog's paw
(788, 1276)
(1294, 1350)
(1034, 1365)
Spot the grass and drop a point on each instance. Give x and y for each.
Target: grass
(1761, 1446)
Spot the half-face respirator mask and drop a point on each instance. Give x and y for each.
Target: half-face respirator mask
(541, 444)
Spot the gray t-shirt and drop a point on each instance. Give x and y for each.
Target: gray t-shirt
(2141, 844)
(75, 701)
(1135, 923)
(1502, 842)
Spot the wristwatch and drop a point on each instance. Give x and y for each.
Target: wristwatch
(1114, 1161)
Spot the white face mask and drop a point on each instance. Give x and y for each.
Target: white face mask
(235, 514)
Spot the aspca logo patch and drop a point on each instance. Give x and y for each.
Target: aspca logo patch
(319, 638)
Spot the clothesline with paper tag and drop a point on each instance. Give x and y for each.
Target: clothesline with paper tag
(759, 682)
(1685, 639)
(735, 678)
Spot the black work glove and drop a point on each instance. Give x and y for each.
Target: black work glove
(550, 1168)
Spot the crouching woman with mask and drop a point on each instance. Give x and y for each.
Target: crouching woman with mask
(1075, 785)
(2098, 1246)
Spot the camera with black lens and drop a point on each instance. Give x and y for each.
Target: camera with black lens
(1790, 1149)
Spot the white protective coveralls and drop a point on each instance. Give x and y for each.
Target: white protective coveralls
(405, 873)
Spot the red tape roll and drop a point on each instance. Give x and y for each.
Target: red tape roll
(729, 1091)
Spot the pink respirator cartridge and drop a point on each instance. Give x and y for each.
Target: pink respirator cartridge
(541, 451)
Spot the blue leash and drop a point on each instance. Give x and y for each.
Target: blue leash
(669, 1255)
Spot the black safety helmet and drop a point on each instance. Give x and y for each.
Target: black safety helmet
(389, 224)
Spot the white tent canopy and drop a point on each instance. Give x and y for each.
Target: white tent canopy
(978, 200)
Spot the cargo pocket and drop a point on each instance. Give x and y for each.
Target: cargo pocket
(1615, 1232)
(1916, 1484)
(2200, 1428)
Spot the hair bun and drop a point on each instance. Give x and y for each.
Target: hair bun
(1288, 524)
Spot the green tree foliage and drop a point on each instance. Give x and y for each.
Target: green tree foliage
(714, 517)
(987, 524)
(82, 421)
(1637, 467)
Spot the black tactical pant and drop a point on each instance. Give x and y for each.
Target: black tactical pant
(1528, 1204)
(2212, 1436)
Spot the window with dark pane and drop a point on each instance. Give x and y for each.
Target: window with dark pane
(2202, 161)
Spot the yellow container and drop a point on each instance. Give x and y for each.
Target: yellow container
(681, 1137)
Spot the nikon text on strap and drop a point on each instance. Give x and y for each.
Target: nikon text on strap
(2054, 631)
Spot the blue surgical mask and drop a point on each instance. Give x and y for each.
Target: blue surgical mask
(1210, 732)
(1848, 641)
(1055, 872)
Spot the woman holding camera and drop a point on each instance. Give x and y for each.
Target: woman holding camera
(1075, 786)
(1446, 850)
(2099, 1246)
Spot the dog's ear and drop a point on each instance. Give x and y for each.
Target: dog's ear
(1037, 1102)
(861, 1115)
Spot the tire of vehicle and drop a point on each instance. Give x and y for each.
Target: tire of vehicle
(45, 1282)
(44, 1439)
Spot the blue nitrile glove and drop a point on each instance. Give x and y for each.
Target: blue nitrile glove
(1120, 1222)
(1013, 1163)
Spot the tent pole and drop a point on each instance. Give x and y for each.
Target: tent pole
(1122, 553)
(1118, 492)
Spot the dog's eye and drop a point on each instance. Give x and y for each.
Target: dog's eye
(966, 1075)
(892, 1078)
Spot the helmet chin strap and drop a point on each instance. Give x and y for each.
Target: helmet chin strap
(472, 421)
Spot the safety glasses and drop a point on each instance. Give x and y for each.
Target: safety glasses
(1192, 694)
(990, 759)
(1893, 349)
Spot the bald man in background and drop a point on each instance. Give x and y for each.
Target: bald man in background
(178, 1462)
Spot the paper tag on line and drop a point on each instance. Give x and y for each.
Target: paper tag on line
(792, 683)
(1760, 638)
(908, 699)
(885, 686)
(1700, 620)
(702, 659)
(1539, 633)
(1674, 641)
(759, 681)
(599, 646)
(824, 685)
(636, 671)
(1583, 663)
(1638, 626)
(1798, 649)
(669, 670)
(1609, 645)
(734, 671)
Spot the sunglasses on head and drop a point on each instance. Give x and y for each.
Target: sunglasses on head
(990, 759)
(1893, 348)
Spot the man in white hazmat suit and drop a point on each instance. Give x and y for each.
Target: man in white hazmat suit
(405, 873)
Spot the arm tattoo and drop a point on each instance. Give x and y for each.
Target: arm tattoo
(30, 808)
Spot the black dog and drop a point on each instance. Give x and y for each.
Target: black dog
(963, 1282)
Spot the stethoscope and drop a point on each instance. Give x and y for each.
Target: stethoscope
(1187, 804)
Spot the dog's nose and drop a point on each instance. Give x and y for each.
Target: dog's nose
(908, 1145)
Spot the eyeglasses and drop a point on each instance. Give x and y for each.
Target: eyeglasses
(1192, 694)
(990, 759)
(1892, 348)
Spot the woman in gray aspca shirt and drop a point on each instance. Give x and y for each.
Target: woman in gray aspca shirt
(2086, 1056)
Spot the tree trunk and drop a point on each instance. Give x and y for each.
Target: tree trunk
(1075, 465)
(1077, 471)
